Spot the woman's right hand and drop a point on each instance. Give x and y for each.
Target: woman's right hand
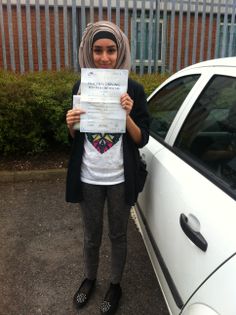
(73, 117)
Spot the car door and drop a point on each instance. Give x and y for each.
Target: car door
(170, 98)
(188, 203)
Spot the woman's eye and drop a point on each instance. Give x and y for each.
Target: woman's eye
(97, 51)
(111, 51)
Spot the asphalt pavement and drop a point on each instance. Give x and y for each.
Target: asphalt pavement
(41, 254)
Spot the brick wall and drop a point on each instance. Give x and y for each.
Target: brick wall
(34, 38)
(96, 18)
(43, 36)
(191, 40)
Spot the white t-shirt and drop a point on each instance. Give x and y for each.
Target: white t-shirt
(102, 162)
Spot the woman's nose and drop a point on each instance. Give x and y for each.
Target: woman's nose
(104, 55)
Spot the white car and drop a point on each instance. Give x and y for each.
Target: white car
(187, 210)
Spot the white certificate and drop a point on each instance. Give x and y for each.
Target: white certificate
(101, 90)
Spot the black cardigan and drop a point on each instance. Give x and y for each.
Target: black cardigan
(140, 116)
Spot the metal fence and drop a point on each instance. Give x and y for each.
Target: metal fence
(164, 35)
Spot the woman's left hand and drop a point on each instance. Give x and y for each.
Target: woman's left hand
(126, 103)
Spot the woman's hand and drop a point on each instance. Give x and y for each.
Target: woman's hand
(126, 103)
(72, 118)
(134, 131)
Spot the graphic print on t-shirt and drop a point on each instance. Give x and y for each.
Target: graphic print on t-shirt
(103, 142)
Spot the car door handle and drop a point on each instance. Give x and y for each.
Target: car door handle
(195, 236)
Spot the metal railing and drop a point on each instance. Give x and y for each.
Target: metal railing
(164, 35)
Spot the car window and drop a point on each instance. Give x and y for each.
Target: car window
(209, 132)
(164, 105)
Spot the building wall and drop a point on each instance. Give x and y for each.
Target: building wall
(125, 17)
(191, 40)
(34, 38)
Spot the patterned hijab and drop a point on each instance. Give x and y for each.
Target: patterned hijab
(85, 49)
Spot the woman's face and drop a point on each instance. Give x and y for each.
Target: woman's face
(104, 53)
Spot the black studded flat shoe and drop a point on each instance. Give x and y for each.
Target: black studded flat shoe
(111, 301)
(84, 292)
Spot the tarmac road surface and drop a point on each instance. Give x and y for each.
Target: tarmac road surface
(41, 250)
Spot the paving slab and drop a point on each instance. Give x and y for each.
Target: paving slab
(41, 255)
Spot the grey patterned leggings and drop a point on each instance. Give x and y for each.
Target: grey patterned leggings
(92, 208)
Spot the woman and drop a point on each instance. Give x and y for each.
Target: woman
(105, 167)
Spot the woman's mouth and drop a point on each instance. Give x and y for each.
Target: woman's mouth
(105, 66)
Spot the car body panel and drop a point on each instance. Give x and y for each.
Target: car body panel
(180, 186)
(176, 188)
(221, 296)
